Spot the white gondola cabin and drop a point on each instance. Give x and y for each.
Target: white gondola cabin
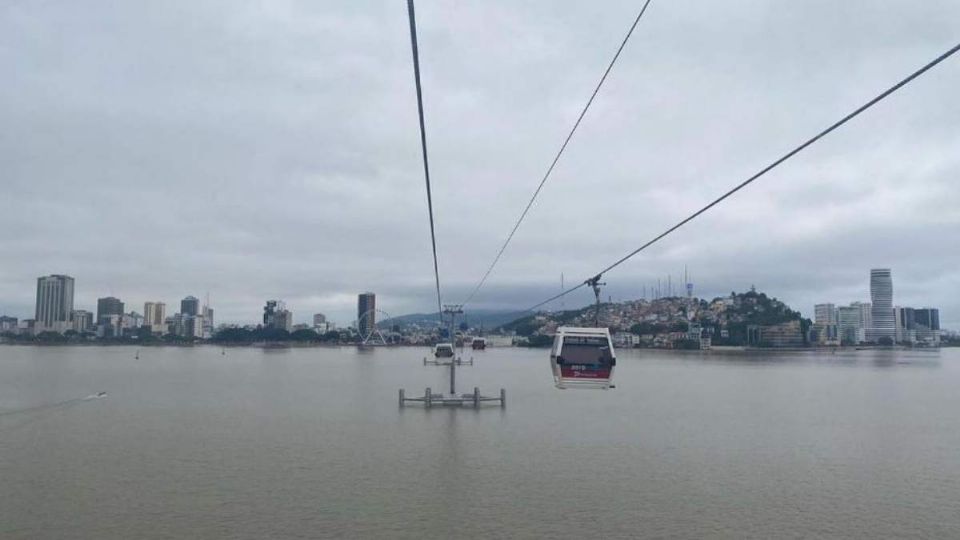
(443, 350)
(582, 358)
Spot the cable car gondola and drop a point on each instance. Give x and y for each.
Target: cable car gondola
(582, 358)
(443, 350)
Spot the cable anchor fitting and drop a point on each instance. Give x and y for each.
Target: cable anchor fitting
(595, 284)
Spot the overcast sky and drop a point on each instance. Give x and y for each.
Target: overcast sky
(258, 150)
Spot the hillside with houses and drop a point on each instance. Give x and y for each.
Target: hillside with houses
(741, 319)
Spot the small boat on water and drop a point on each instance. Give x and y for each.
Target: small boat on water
(479, 344)
(443, 350)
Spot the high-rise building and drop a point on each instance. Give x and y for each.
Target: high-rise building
(54, 303)
(174, 324)
(283, 320)
(866, 315)
(927, 323)
(270, 310)
(130, 322)
(883, 324)
(190, 306)
(154, 316)
(824, 314)
(848, 321)
(905, 317)
(110, 326)
(275, 315)
(191, 326)
(366, 313)
(207, 322)
(81, 320)
(319, 319)
(108, 306)
(825, 324)
(927, 317)
(903, 321)
(852, 322)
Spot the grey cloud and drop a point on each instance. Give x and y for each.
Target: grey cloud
(158, 150)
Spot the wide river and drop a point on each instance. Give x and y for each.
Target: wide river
(309, 443)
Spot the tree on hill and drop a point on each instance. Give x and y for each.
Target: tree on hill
(756, 308)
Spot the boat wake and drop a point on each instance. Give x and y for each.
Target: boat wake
(52, 406)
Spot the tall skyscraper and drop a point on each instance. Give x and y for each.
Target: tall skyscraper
(108, 306)
(54, 303)
(190, 306)
(154, 316)
(319, 319)
(881, 296)
(366, 313)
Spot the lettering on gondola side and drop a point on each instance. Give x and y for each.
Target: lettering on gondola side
(584, 372)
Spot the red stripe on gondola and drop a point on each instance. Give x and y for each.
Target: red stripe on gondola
(571, 373)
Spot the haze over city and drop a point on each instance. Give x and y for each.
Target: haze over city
(269, 151)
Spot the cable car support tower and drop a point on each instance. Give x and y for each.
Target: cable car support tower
(429, 399)
(474, 399)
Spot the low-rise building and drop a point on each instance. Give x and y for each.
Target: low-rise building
(788, 334)
(8, 324)
(625, 340)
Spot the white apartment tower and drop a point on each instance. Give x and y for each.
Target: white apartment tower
(54, 303)
(883, 323)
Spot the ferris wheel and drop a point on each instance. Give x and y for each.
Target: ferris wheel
(370, 334)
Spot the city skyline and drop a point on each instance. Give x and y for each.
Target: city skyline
(864, 313)
(883, 319)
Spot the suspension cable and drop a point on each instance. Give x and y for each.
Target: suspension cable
(557, 157)
(423, 144)
(762, 172)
